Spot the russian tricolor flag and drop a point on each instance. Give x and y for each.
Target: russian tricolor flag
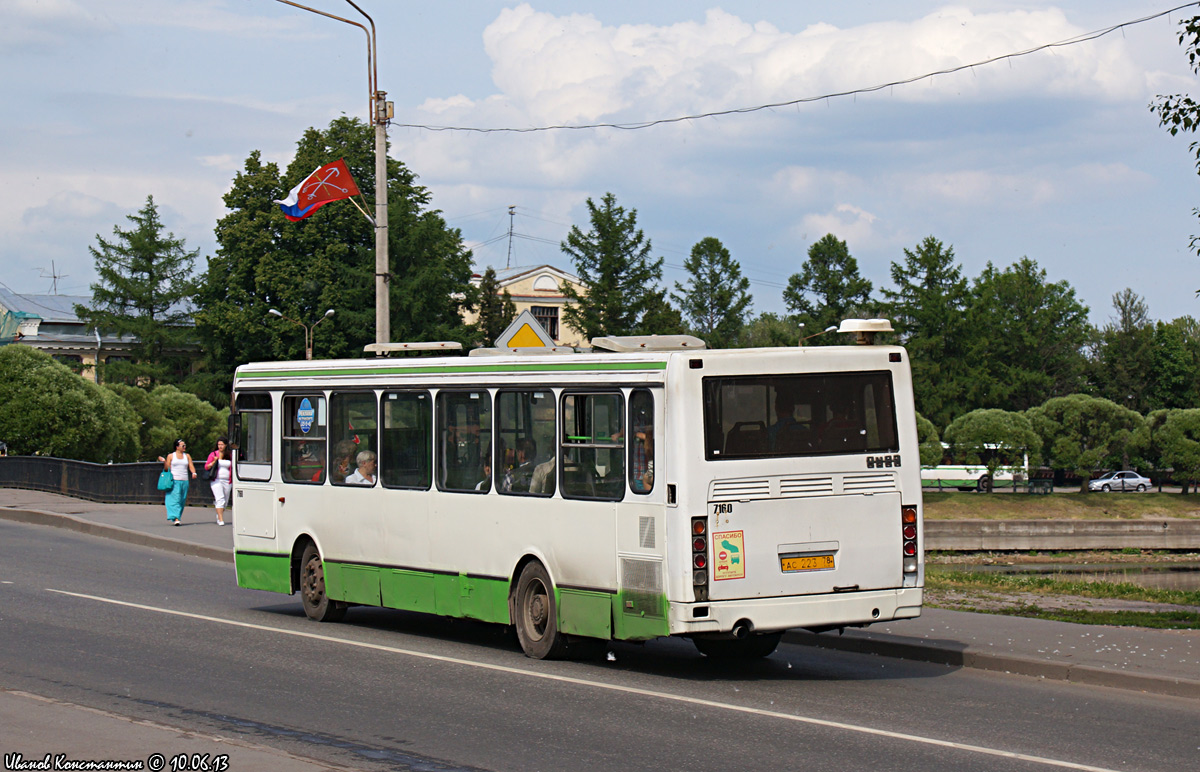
(331, 182)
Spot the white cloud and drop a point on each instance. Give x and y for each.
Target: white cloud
(572, 68)
(849, 223)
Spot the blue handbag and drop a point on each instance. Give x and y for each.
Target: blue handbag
(165, 481)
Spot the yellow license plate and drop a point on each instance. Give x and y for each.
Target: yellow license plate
(806, 563)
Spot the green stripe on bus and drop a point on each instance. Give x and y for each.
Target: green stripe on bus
(632, 616)
(532, 367)
(264, 572)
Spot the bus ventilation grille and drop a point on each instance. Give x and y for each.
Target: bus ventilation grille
(646, 536)
(796, 487)
(868, 483)
(641, 587)
(740, 490)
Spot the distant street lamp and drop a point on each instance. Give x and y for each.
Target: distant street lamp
(379, 111)
(308, 329)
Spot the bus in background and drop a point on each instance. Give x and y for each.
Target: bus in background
(649, 488)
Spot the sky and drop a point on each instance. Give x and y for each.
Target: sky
(1054, 155)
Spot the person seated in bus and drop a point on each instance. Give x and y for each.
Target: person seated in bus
(517, 479)
(641, 476)
(841, 427)
(343, 460)
(365, 473)
(543, 478)
(785, 418)
(485, 484)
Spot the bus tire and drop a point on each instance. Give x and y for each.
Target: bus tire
(535, 614)
(754, 646)
(317, 605)
(985, 484)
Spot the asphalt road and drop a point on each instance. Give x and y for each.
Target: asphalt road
(153, 636)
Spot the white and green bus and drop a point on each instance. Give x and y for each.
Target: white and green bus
(648, 488)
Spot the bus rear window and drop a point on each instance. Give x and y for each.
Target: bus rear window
(768, 416)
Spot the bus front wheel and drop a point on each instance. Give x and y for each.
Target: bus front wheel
(535, 614)
(317, 604)
(753, 646)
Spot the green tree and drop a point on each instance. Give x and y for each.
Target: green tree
(144, 292)
(827, 289)
(928, 312)
(1179, 439)
(930, 444)
(496, 309)
(1028, 344)
(1179, 112)
(993, 437)
(1174, 364)
(327, 261)
(155, 430)
(196, 422)
(1122, 364)
(613, 260)
(716, 298)
(1082, 434)
(47, 410)
(660, 317)
(769, 330)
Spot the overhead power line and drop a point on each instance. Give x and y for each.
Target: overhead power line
(1083, 38)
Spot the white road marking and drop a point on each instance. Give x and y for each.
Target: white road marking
(610, 687)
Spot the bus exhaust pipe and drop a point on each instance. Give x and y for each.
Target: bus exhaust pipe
(741, 630)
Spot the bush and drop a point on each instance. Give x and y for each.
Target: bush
(45, 409)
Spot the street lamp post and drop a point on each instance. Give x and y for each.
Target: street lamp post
(308, 329)
(379, 111)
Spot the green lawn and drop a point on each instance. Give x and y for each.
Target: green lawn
(1058, 506)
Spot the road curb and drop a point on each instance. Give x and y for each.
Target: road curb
(962, 657)
(953, 655)
(115, 532)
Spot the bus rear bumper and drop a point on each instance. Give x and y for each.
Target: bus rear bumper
(787, 613)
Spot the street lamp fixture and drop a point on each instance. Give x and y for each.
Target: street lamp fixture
(379, 112)
(308, 329)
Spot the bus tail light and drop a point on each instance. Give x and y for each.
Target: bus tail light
(700, 558)
(908, 529)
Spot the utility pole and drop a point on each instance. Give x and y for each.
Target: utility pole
(512, 210)
(379, 111)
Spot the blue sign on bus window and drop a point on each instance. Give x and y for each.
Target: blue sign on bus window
(305, 415)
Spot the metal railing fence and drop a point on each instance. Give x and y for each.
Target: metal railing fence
(107, 483)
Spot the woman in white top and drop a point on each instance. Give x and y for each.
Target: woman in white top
(221, 464)
(179, 464)
(365, 474)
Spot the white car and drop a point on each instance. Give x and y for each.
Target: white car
(1120, 481)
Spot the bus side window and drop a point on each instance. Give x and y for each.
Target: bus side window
(592, 447)
(524, 454)
(406, 448)
(641, 441)
(464, 439)
(254, 436)
(351, 434)
(304, 421)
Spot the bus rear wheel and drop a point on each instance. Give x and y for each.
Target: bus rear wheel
(754, 646)
(317, 605)
(535, 614)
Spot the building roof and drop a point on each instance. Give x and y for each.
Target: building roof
(507, 276)
(53, 309)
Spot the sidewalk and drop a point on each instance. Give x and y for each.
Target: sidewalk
(1163, 662)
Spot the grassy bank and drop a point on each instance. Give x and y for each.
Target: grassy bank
(1059, 506)
(1097, 603)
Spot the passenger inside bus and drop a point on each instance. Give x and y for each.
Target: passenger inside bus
(517, 479)
(365, 473)
(786, 425)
